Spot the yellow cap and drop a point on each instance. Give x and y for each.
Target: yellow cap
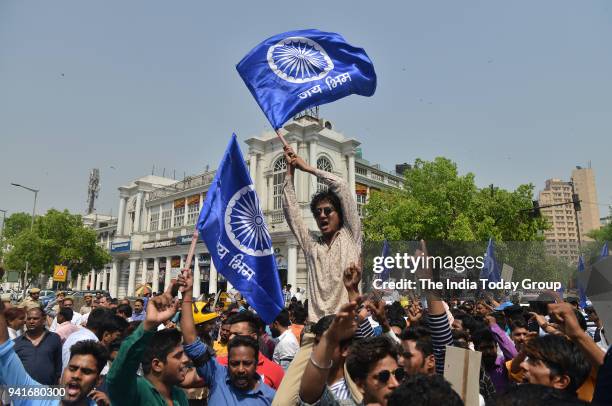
(201, 317)
(34, 290)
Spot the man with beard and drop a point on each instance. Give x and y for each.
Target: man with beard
(220, 346)
(79, 378)
(486, 342)
(287, 345)
(40, 350)
(239, 382)
(164, 362)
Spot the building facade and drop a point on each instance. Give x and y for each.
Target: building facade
(157, 215)
(562, 237)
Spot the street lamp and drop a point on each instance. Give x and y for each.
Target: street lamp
(25, 279)
(3, 220)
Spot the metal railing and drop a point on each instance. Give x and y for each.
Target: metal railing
(190, 182)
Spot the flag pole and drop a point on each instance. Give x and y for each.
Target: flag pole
(194, 241)
(280, 136)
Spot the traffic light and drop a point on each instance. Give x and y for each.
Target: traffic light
(535, 212)
(576, 201)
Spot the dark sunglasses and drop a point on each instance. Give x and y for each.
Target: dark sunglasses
(326, 210)
(383, 376)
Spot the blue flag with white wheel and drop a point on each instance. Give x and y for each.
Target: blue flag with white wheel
(293, 71)
(604, 251)
(490, 270)
(232, 225)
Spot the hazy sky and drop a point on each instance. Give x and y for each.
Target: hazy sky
(515, 92)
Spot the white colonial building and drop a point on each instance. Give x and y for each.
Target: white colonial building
(157, 215)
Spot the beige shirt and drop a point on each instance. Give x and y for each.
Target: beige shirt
(326, 264)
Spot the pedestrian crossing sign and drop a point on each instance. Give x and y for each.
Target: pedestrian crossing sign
(60, 272)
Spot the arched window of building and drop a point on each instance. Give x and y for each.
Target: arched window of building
(278, 178)
(323, 164)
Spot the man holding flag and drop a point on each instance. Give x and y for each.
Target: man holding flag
(339, 246)
(288, 73)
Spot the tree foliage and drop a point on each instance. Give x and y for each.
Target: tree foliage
(602, 234)
(436, 203)
(58, 237)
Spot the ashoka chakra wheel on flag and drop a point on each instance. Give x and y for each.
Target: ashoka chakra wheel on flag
(299, 60)
(245, 225)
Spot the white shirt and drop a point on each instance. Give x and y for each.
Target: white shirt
(13, 334)
(81, 334)
(286, 349)
(76, 320)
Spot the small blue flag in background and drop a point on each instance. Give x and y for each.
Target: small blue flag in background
(490, 271)
(232, 226)
(295, 70)
(384, 275)
(561, 291)
(604, 250)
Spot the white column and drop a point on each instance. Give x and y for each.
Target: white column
(351, 173)
(132, 277)
(253, 169)
(292, 264)
(104, 279)
(155, 285)
(92, 279)
(79, 282)
(212, 283)
(114, 278)
(143, 278)
(261, 184)
(196, 276)
(161, 209)
(168, 272)
(121, 215)
(270, 200)
(182, 262)
(138, 210)
(99, 279)
(298, 175)
(185, 213)
(312, 159)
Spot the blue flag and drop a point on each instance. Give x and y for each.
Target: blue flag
(604, 250)
(490, 271)
(384, 275)
(232, 226)
(295, 70)
(581, 290)
(561, 291)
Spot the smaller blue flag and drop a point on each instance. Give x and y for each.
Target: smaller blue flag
(232, 226)
(581, 289)
(293, 71)
(561, 291)
(490, 271)
(384, 275)
(604, 250)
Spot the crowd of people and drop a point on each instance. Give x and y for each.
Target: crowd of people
(161, 349)
(331, 347)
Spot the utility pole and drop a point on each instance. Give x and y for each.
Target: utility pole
(25, 279)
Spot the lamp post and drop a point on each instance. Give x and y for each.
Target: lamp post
(3, 220)
(25, 279)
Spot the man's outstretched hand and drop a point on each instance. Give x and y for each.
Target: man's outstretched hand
(160, 308)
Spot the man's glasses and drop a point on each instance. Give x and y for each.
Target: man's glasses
(326, 210)
(383, 376)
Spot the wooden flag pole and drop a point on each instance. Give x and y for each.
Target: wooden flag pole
(192, 247)
(280, 136)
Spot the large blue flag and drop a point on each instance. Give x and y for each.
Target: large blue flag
(490, 271)
(581, 289)
(232, 226)
(604, 250)
(295, 70)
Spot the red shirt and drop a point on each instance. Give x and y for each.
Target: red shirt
(271, 372)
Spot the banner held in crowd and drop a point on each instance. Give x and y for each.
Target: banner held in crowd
(233, 227)
(296, 70)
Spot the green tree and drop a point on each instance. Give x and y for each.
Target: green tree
(602, 234)
(58, 237)
(436, 203)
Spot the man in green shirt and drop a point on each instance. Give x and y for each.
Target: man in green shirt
(164, 362)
